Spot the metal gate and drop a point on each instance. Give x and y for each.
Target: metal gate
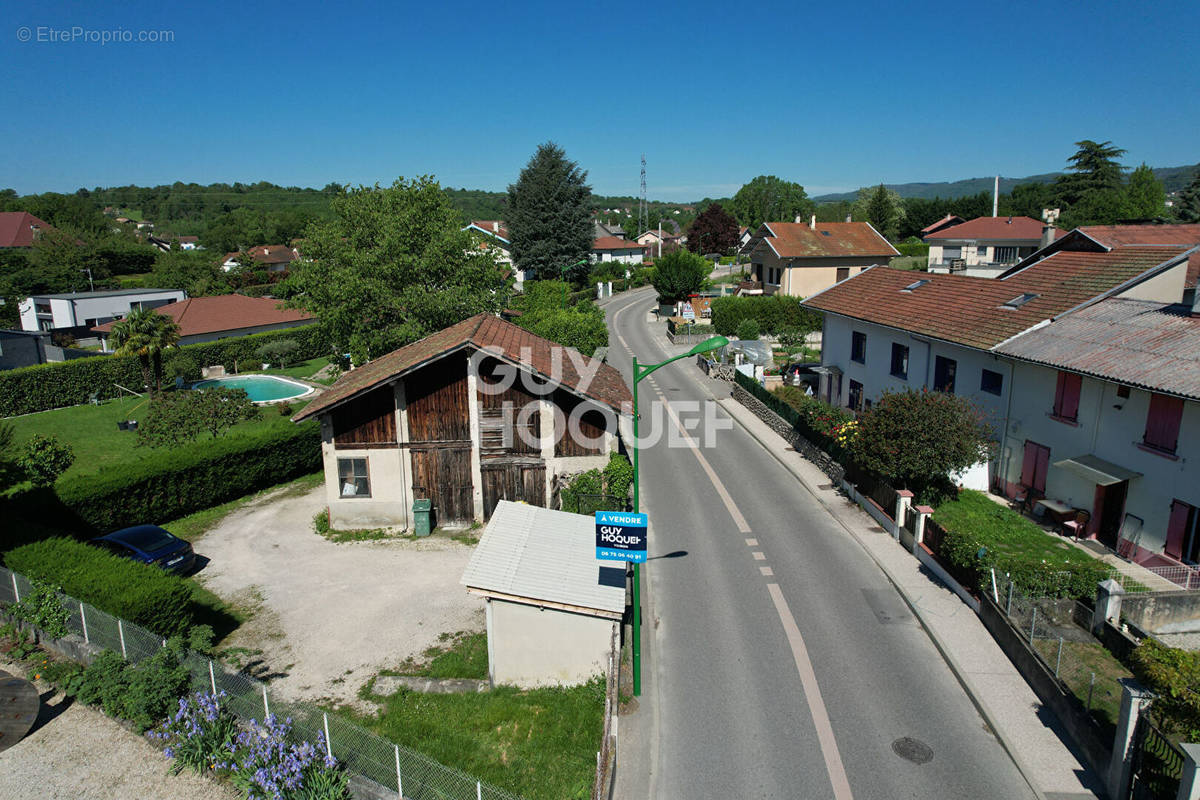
(1157, 764)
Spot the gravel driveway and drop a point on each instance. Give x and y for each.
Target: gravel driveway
(329, 616)
(80, 754)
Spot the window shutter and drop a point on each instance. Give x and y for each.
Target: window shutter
(1176, 528)
(1162, 422)
(1029, 466)
(1066, 395)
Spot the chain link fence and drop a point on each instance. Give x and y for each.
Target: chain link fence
(404, 772)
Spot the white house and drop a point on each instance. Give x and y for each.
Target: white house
(800, 259)
(271, 257)
(986, 246)
(553, 610)
(84, 310)
(1080, 358)
(224, 316)
(610, 248)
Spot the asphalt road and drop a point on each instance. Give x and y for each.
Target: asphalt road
(780, 661)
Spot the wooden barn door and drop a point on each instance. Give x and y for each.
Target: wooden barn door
(443, 475)
(516, 482)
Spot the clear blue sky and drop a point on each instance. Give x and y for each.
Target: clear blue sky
(832, 95)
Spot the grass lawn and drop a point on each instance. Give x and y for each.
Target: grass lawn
(304, 370)
(1079, 661)
(1003, 530)
(538, 743)
(92, 431)
(461, 655)
(910, 262)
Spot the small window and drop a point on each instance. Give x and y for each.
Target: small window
(1019, 301)
(352, 477)
(944, 370)
(1123, 392)
(842, 273)
(856, 396)
(1006, 255)
(826, 233)
(991, 382)
(858, 347)
(900, 361)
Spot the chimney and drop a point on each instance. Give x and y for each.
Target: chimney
(848, 219)
(799, 219)
(996, 197)
(495, 227)
(1049, 215)
(812, 223)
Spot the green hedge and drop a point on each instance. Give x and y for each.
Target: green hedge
(773, 314)
(913, 248)
(69, 383)
(139, 593)
(168, 484)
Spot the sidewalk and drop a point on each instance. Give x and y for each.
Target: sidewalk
(1031, 735)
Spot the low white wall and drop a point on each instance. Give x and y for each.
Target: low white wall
(530, 646)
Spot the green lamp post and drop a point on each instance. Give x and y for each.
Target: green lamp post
(641, 371)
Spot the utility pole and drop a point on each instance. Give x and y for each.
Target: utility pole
(643, 210)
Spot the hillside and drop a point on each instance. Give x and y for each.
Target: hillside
(1173, 178)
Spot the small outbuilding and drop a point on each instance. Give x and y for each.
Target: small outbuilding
(553, 608)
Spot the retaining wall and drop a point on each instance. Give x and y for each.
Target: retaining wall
(816, 455)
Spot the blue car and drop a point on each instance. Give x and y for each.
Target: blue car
(150, 544)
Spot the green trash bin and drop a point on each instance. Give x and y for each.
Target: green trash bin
(421, 511)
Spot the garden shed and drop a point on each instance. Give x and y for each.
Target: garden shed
(553, 609)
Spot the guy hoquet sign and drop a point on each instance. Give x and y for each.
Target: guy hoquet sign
(620, 536)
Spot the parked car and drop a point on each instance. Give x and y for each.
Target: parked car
(150, 544)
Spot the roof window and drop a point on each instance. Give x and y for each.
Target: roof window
(1019, 301)
(826, 233)
(915, 285)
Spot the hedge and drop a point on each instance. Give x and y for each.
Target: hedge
(913, 248)
(168, 484)
(773, 313)
(139, 593)
(28, 390)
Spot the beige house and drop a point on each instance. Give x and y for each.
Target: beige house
(801, 259)
(476, 413)
(553, 610)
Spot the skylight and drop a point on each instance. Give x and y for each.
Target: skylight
(1017, 302)
(915, 285)
(826, 233)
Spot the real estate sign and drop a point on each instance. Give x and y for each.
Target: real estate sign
(621, 536)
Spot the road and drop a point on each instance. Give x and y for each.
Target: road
(780, 661)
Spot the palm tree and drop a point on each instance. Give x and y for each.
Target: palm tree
(146, 335)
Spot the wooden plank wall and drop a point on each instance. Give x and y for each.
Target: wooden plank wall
(501, 411)
(437, 402)
(592, 426)
(367, 421)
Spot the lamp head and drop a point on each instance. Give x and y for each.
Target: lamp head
(707, 345)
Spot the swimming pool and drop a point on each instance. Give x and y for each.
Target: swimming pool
(261, 388)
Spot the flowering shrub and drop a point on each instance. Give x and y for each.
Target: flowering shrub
(261, 759)
(844, 434)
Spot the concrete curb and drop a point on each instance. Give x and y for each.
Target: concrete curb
(942, 647)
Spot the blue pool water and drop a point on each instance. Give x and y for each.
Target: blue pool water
(261, 388)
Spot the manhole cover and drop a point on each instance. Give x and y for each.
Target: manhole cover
(913, 750)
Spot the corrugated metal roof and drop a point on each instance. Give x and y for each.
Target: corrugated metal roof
(1149, 345)
(546, 555)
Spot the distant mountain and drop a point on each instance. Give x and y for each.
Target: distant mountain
(1173, 178)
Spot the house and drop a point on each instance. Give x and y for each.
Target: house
(744, 237)
(21, 229)
(945, 222)
(145, 225)
(189, 242)
(1082, 359)
(987, 246)
(494, 236)
(801, 259)
(553, 610)
(476, 413)
(601, 230)
(271, 257)
(610, 248)
(78, 312)
(206, 319)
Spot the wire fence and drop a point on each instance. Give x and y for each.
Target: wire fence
(405, 772)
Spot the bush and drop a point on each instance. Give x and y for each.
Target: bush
(182, 416)
(139, 593)
(774, 314)
(44, 459)
(182, 365)
(144, 694)
(1174, 676)
(913, 248)
(678, 275)
(68, 383)
(279, 351)
(747, 330)
(169, 484)
(618, 476)
(43, 608)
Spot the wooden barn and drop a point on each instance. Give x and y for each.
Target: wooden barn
(479, 412)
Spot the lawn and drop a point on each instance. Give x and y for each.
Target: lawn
(461, 655)
(1003, 530)
(1080, 661)
(303, 370)
(91, 430)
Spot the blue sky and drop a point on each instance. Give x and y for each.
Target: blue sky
(833, 96)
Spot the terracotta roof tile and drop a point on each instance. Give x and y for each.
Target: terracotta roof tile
(1025, 228)
(225, 312)
(828, 240)
(613, 243)
(1118, 235)
(971, 311)
(16, 228)
(482, 331)
(489, 226)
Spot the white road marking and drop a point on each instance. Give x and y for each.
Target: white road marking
(766, 570)
(759, 555)
(752, 542)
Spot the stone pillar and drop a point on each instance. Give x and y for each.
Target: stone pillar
(1108, 604)
(923, 513)
(903, 501)
(608, 289)
(1189, 783)
(599, 290)
(1133, 699)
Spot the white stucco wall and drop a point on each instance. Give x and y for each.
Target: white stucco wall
(389, 503)
(530, 646)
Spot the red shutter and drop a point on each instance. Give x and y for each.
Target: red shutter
(1029, 466)
(1043, 466)
(1066, 395)
(1176, 528)
(1058, 393)
(1162, 423)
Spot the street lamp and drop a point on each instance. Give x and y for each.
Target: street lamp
(562, 271)
(641, 371)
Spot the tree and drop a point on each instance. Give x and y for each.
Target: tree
(392, 267)
(678, 275)
(44, 458)
(278, 351)
(747, 330)
(10, 472)
(917, 439)
(549, 215)
(1094, 167)
(147, 335)
(770, 199)
(1187, 207)
(581, 327)
(1146, 198)
(177, 418)
(882, 208)
(714, 231)
(219, 409)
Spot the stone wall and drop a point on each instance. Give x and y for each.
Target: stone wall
(803, 446)
(1153, 611)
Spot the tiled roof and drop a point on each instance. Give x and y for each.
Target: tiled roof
(504, 340)
(266, 254)
(1118, 235)
(489, 226)
(1151, 345)
(226, 312)
(189, 239)
(16, 228)
(613, 243)
(828, 240)
(990, 228)
(944, 222)
(971, 311)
